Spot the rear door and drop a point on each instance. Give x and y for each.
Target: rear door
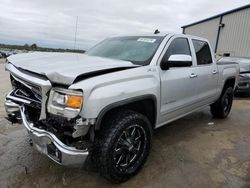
(177, 83)
(207, 72)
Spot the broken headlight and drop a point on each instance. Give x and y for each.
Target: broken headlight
(65, 102)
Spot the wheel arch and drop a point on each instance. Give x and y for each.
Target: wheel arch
(146, 105)
(231, 81)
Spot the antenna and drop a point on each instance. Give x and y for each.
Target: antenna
(76, 32)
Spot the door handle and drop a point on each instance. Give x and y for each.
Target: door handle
(214, 72)
(193, 75)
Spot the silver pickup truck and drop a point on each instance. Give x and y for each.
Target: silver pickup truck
(105, 103)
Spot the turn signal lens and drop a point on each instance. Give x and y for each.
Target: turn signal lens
(74, 101)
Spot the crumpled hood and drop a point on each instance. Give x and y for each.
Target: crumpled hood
(64, 68)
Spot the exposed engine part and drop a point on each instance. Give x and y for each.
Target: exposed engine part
(82, 127)
(80, 130)
(72, 132)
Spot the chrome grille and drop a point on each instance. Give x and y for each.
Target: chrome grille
(28, 79)
(26, 90)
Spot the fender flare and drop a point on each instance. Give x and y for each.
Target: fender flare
(111, 106)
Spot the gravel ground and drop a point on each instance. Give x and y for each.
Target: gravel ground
(195, 151)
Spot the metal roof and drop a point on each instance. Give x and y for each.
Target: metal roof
(218, 15)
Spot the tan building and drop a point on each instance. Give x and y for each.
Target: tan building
(228, 32)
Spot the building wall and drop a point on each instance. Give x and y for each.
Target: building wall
(235, 36)
(207, 29)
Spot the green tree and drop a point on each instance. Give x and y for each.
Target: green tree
(26, 46)
(33, 46)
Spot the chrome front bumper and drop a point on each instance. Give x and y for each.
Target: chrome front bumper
(47, 143)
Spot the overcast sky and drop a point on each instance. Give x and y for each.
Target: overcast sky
(52, 22)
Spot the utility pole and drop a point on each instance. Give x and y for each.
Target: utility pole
(76, 32)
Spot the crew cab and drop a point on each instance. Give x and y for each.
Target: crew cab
(105, 104)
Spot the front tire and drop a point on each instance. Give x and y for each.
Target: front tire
(123, 145)
(222, 107)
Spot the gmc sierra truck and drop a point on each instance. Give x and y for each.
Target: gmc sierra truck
(105, 104)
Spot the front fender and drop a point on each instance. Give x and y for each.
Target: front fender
(112, 88)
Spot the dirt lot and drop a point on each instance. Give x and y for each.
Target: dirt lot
(196, 151)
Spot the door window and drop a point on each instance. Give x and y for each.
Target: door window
(203, 53)
(178, 46)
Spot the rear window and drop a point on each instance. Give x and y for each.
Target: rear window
(203, 53)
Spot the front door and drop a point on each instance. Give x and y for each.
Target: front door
(178, 93)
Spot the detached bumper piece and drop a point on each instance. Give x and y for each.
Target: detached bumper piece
(46, 142)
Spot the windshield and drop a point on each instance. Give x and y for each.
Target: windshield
(136, 49)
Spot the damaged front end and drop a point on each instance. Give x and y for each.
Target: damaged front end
(64, 139)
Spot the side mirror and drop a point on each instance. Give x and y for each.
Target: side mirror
(177, 61)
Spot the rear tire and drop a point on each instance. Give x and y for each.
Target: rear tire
(123, 145)
(222, 107)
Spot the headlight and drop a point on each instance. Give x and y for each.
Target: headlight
(65, 102)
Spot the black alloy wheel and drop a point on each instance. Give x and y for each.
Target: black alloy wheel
(122, 145)
(129, 148)
(222, 107)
